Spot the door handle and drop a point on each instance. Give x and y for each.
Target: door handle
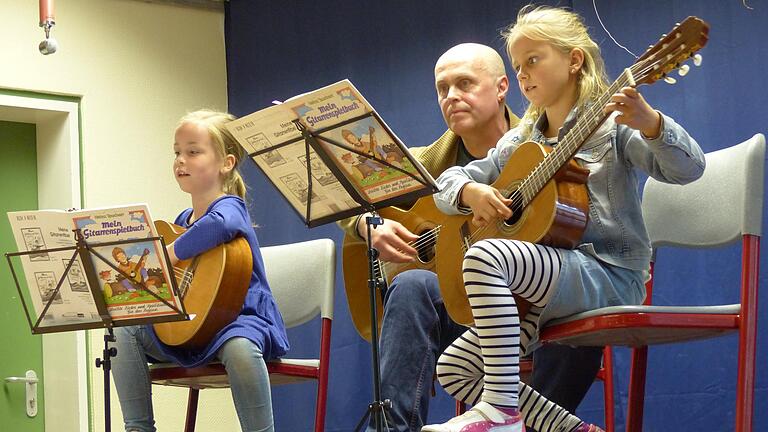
(30, 380)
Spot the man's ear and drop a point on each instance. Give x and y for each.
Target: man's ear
(502, 87)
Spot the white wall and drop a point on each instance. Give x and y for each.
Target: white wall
(137, 67)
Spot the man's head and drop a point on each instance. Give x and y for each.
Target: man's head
(471, 85)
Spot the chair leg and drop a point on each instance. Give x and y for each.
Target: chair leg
(189, 425)
(745, 384)
(637, 389)
(607, 371)
(461, 408)
(322, 379)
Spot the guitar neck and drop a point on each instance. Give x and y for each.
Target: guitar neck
(587, 123)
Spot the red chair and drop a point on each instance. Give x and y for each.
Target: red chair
(302, 279)
(721, 208)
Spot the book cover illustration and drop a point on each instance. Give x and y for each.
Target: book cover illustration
(331, 143)
(131, 270)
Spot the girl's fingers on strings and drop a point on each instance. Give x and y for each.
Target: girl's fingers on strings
(614, 106)
(630, 92)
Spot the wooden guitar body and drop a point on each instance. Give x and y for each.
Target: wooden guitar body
(212, 287)
(557, 216)
(424, 220)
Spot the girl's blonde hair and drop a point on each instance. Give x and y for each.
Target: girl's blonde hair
(223, 143)
(564, 30)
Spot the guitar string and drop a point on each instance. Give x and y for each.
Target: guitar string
(186, 279)
(429, 238)
(550, 160)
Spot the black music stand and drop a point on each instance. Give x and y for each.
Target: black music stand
(318, 142)
(86, 253)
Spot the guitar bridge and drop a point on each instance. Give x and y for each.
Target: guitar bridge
(187, 276)
(465, 235)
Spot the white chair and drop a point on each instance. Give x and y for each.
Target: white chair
(302, 278)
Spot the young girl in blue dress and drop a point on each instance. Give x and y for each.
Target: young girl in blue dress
(560, 72)
(205, 167)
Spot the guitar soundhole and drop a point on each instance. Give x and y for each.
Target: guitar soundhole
(425, 246)
(517, 213)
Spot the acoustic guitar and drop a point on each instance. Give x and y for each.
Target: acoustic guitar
(212, 287)
(424, 220)
(547, 187)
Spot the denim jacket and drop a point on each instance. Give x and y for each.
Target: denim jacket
(615, 232)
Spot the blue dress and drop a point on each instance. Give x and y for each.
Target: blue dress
(259, 320)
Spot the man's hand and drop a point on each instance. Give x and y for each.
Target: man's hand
(391, 240)
(486, 202)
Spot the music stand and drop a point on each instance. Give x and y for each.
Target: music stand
(352, 179)
(86, 253)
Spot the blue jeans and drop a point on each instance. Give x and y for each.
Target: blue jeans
(416, 329)
(242, 360)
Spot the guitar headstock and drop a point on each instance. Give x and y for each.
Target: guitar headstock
(671, 51)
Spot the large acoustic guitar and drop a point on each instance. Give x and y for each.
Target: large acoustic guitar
(547, 187)
(212, 287)
(424, 220)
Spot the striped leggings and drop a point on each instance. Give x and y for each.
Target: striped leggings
(483, 364)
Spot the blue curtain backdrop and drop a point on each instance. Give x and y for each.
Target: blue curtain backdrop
(276, 50)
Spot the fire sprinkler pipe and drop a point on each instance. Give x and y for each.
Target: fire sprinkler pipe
(47, 21)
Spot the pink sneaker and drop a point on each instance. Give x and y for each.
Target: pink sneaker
(584, 427)
(483, 417)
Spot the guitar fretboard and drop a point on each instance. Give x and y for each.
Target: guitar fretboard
(587, 123)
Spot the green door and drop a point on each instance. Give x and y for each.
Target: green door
(21, 351)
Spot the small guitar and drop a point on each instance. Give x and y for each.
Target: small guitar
(212, 287)
(135, 272)
(547, 187)
(424, 220)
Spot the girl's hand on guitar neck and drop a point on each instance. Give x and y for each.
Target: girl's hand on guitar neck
(486, 202)
(391, 240)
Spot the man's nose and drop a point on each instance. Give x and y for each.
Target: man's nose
(453, 93)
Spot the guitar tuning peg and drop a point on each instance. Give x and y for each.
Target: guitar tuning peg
(683, 70)
(669, 80)
(697, 59)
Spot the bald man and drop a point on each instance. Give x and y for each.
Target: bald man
(471, 85)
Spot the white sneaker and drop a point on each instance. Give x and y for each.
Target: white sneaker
(483, 417)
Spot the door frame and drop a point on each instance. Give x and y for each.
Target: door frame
(59, 176)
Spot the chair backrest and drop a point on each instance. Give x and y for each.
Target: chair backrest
(302, 277)
(717, 209)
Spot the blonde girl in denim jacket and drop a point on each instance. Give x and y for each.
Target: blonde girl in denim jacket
(560, 72)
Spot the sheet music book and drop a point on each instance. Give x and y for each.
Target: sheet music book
(353, 162)
(136, 266)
